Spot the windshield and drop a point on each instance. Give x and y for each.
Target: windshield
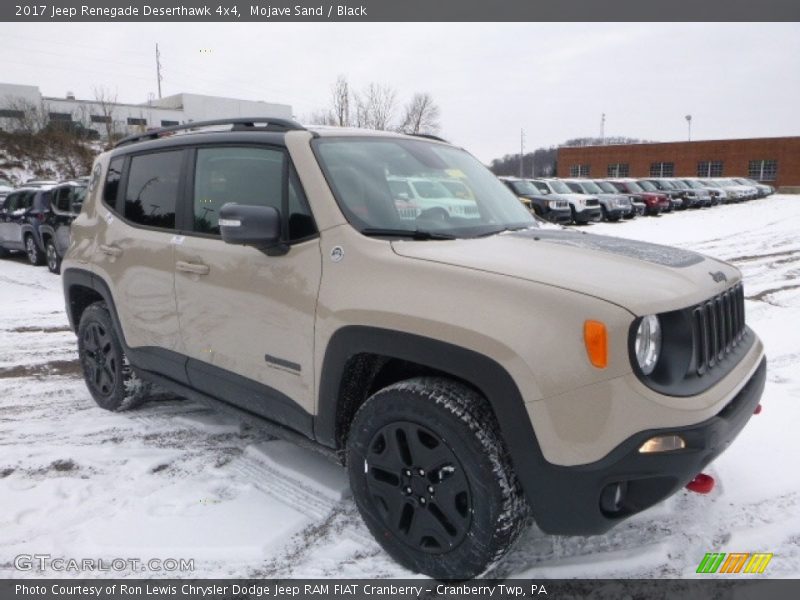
(680, 184)
(525, 187)
(393, 186)
(607, 187)
(648, 187)
(590, 187)
(634, 187)
(693, 184)
(559, 187)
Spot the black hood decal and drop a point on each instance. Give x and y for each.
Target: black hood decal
(667, 256)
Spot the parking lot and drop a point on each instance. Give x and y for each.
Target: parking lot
(174, 480)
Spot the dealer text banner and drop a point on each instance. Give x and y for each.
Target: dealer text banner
(401, 10)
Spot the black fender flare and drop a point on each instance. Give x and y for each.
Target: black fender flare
(482, 372)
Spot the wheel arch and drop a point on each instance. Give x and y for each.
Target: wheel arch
(355, 366)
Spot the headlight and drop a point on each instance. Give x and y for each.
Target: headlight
(554, 204)
(648, 343)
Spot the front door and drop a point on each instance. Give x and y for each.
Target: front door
(246, 318)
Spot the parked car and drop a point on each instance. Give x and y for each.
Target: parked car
(655, 202)
(585, 209)
(717, 195)
(762, 189)
(613, 204)
(637, 203)
(664, 186)
(750, 191)
(694, 197)
(51, 225)
(733, 192)
(550, 207)
(281, 286)
(20, 210)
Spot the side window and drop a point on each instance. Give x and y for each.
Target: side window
(76, 199)
(253, 176)
(112, 182)
(152, 191)
(62, 199)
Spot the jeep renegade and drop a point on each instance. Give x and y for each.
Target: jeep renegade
(469, 370)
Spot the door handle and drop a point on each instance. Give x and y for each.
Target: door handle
(110, 250)
(195, 268)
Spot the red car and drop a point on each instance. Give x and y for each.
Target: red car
(656, 202)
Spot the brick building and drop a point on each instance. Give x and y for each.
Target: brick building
(775, 161)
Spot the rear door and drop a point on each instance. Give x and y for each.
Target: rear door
(135, 255)
(246, 318)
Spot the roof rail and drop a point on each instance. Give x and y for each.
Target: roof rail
(429, 136)
(239, 124)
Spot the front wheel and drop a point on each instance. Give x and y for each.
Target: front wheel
(108, 375)
(432, 480)
(35, 256)
(53, 259)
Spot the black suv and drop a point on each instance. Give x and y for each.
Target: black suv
(51, 225)
(20, 210)
(552, 208)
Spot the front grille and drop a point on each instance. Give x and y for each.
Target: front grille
(717, 328)
(593, 202)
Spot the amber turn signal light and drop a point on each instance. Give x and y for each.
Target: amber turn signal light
(595, 336)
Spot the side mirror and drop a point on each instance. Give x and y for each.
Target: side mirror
(257, 226)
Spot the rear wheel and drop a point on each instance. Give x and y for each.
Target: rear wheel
(35, 256)
(53, 259)
(108, 374)
(432, 480)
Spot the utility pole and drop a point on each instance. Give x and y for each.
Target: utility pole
(603, 129)
(158, 70)
(521, 152)
(689, 123)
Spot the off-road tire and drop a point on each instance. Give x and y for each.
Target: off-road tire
(449, 440)
(32, 251)
(108, 374)
(51, 254)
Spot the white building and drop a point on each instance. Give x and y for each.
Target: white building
(128, 118)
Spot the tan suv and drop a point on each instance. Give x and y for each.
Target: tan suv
(469, 370)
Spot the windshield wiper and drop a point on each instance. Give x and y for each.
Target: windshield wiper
(414, 234)
(504, 229)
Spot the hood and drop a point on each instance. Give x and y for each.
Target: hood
(641, 277)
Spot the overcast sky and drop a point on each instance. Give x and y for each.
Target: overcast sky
(490, 80)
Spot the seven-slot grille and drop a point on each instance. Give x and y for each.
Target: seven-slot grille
(718, 327)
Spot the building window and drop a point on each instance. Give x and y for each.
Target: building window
(165, 123)
(662, 169)
(579, 170)
(60, 116)
(135, 121)
(619, 170)
(763, 170)
(12, 114)
(100, 119)
(709, 168)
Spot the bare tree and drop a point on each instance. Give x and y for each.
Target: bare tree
(421, 115)
(107, 103)
(375, 107)
(321, 117)
(340, 102)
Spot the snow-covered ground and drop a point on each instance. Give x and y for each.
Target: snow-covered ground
(174, 480)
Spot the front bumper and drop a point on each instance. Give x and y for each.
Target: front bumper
(558, 215)
(572, 502)
(588, 214)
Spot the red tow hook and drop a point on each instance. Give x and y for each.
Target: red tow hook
(757, 411)
(701, 484)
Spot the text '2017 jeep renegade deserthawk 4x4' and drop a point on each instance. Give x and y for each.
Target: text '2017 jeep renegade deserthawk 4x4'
(469, 368)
